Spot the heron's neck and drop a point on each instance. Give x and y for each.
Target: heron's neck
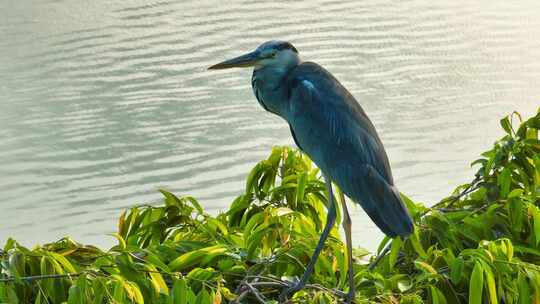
(270, 89)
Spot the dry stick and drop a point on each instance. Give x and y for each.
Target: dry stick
(245, 291)
(241, 296)
(257, 294)
(268, 284)
(275, 280)
(276, 284)
(251, 287)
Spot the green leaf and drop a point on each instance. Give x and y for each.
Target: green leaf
(170, 199)
(508, 248)
(437, 297)
(383, 244)
(217, 298)
(155, 260)
(119, 293)
(253, 177)
(121, 242)
(492, 289)
(536, 222)
(254, 241)
(195, 203)
(282, 211)
(203, 297)
(302, 181)
(476, 284)
(8, 294)
(515, 208)
(524, 290)
(456, 269)
(515, 193)
(425, 267)
(534, 122)
(527, 250)
(63, 261)
(122, 229)
(416, 244)
(504, 180)
(506, 125)
(191, 258)
(16, 265)
(394, 251)
(179, 293)
(157, 280)
(134, 292)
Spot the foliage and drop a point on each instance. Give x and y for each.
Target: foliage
(479, 245)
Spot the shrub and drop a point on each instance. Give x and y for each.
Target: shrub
(479, 245)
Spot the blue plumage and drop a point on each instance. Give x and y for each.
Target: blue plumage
(328, 124)
(331, 127)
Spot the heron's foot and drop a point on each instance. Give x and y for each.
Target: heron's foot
(294, 287)
(350, 297)
(290, 290)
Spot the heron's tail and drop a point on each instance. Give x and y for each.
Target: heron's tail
(381, 201)
(391, 215)
(378, 197)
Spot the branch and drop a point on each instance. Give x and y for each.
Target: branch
(270, 282)
(454, 198)
(42, 277)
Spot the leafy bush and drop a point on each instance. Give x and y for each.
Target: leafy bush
(479, 245)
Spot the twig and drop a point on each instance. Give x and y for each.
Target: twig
(241, 296)
(268, 284)
(380, 256)
(452, 199)
(42, 277)
(470, 188)
(268, 278)
(260, 281)
(257, 294)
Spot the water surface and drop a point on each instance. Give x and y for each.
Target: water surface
(103, 102)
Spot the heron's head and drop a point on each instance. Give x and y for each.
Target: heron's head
(274, 53)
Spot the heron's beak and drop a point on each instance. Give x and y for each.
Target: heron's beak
(246, 60)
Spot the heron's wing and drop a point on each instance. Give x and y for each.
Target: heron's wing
(335, 132)
(294, 137)
(322, 109)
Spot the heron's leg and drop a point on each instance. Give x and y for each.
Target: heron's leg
(347, 228)
(330, 219)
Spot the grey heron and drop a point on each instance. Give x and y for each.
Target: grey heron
(328, 124)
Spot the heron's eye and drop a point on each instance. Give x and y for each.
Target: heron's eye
(273, 54)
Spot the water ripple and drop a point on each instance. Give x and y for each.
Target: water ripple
(102, 104)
